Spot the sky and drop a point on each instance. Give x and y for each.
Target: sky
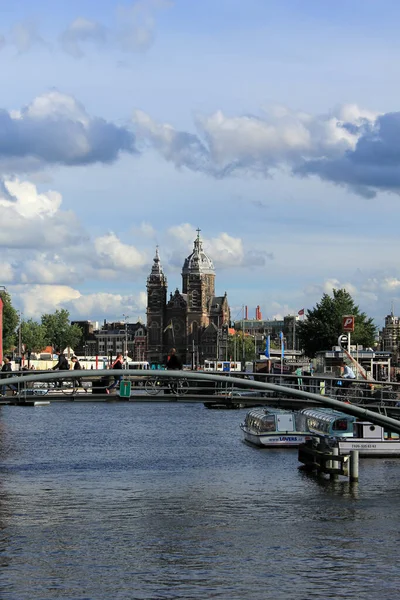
(272, 126)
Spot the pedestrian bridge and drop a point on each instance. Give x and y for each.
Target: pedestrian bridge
(212, 389)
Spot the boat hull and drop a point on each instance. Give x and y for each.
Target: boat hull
(370, 448)
(274, 440)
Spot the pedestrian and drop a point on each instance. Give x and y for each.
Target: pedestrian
(61, 365)
(174, 363)
(299, 372)
(6, 371)
(348, 375)
(77, 367)
(117, 364)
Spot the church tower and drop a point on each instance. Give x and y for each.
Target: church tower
(156, 300)
(198, 283)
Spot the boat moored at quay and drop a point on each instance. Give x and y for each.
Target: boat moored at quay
(371, 441)
(272, 427)
(326, 422)
(334, 429)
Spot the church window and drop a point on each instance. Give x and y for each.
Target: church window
(195, 299)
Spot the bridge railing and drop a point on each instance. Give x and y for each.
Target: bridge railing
(224, 386)
(22, 382)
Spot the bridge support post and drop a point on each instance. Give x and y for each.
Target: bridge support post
(335, 463)
(354, 456)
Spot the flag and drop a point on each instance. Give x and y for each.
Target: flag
(301, 312)
(169, 326)
(282, 344)
(267, 344)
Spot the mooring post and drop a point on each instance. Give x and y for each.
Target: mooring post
(335, 464)
(354, 465)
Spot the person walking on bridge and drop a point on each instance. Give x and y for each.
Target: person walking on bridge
(77, 367)
(174, 363)
(348, 374)
(117, 364)
(61, 365)
(6, 371)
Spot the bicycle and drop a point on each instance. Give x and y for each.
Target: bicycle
(178, 387)
(352, 393)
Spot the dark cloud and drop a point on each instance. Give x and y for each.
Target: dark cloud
(361, 151)
(55, 129)
(373, 165)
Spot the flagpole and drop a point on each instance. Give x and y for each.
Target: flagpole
(173, 333)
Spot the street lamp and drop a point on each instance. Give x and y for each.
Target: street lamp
(126, 317)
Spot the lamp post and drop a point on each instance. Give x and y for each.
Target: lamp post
(126, 317)
(4, 290)
(20, 315)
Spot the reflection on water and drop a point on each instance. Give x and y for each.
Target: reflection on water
(145, 501)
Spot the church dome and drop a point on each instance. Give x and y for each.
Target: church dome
(198, 261)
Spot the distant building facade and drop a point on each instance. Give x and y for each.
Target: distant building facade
(194, 321)
(128, 338)
(390, 335)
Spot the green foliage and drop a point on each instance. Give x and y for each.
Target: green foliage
(59, 332)
(33, 335)
(323, 325)
(10, 322)
(235, 347)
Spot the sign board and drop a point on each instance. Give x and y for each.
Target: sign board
(125, 389)
(348, 323)
(343, 340)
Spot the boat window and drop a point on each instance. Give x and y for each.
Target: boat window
(340, 425)
(268, 423)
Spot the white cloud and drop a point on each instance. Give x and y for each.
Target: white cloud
(24, 35)
(113, 305)
(116, 255)
(136, 29)
(79, 33)
(347, 146)
(39, 299)
(227, 250)
(34, 220)
(183, 233)
(49, 270)
(7, 272)
(36, 300)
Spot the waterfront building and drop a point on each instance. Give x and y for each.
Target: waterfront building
(195, 321)
(260, 328)
(390, 334)
(128, 338)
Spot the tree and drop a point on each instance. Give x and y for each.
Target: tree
(59, 331)
(33, 335)
(235, 347)
(323, 325)
(10, 322)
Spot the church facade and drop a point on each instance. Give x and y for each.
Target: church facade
(194, 321)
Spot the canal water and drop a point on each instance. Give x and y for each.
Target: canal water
(120, 501)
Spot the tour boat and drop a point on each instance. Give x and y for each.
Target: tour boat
(272, 427)
(370, 440)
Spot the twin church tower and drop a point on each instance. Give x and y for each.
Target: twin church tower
(190, 321)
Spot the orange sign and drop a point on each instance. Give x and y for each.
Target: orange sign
(348, 323)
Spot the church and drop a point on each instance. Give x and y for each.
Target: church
(194, 321)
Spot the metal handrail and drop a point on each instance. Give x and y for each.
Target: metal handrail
(324, 400)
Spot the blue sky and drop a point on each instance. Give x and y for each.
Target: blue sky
(272, 126)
